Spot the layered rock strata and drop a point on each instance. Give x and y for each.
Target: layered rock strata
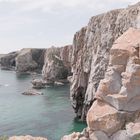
(115, 115)
(90, 54)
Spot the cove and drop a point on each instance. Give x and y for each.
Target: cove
(49, 115)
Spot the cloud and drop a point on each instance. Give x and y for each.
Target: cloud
(41, 23)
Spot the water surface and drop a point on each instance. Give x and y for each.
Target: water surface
(50, 115)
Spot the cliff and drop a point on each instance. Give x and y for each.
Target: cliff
(57, 66)
(30, 60)
(115, 114)
(25, 60)
(7, 61)
(90, 54)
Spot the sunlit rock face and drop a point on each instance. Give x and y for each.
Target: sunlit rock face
(115, 113)
(57, 64)
(90, 54)
(121, 87)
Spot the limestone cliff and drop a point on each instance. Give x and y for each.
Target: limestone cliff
(25, 60)
(115, 115)
(57, 64)
(7, 61)
(30, 60)
(90, 54)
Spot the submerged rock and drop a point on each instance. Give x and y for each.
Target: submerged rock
(38, 83)
(32, 92)
(58, 83)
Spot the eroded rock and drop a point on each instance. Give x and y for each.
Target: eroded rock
(90, 55)
(57, 64)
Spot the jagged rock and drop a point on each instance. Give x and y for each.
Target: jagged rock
(28, 137)
(32, 92)
(7, 61)
(121, 89)
(73, 136)
(57, 64)
(103, 117)
(38, 83)
(29, 60)
(98, 135)
(90, 55)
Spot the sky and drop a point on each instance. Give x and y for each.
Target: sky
(46, 23)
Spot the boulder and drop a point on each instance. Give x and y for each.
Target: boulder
(73, 136)
(103, 117)
(28, 137)
(38, 83)
(32, 92)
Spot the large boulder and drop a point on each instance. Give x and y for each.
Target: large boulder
(103, 117)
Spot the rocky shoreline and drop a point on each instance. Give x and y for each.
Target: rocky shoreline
(103, 68)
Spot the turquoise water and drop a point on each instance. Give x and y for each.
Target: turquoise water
(50, 115)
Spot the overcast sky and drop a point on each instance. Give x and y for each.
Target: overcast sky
(43, 23)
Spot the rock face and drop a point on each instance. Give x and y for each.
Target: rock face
(25, 60)
(29, 60)
(57, 64)
(121, 85)
(115, 113)
(90, 55)
(28, 137)
(8, 61)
